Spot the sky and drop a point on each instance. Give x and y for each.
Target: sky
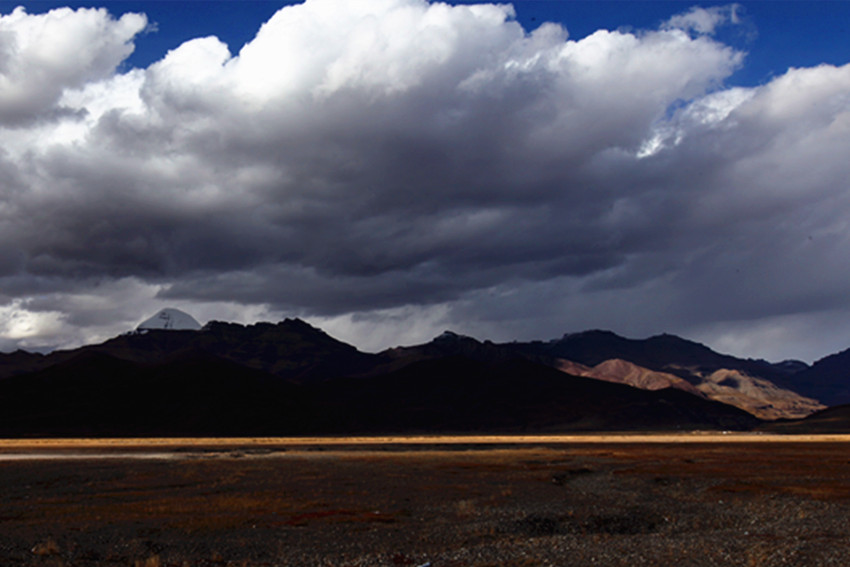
(388, 169)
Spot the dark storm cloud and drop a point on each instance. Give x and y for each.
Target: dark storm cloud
(385, 155)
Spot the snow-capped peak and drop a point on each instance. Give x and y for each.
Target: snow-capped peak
(452, 336)
(171, 319)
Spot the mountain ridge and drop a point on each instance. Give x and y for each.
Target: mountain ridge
(272, 364)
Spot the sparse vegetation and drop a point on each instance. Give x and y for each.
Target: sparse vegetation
(47, 547)
(152, 561)
(697, 504)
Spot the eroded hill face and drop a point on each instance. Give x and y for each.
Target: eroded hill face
(668, 361)
(758, 396)
(625, 372)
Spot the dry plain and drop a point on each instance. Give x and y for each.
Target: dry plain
(691, 499)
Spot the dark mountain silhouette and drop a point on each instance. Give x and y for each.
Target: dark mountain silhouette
(834, 419)
(20, 362)
(451, 344)
(827, 380)
(290, 349)
(458, 394)
(198, 394)
(290, 378)
(95, 394)
(790, 367)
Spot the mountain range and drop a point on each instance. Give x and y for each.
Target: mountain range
(290, 378)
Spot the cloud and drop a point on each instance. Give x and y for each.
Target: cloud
(382, 160)
(704, 21)
(43, 55)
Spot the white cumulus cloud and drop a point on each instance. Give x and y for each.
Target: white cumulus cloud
(43, 55)
(705, 21)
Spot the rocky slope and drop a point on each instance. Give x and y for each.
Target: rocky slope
(755, 386)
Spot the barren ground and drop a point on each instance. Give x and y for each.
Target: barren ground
(632, 500)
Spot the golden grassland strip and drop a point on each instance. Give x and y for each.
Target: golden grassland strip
(225, 442)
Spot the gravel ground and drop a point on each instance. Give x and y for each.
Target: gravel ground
(619, 504)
